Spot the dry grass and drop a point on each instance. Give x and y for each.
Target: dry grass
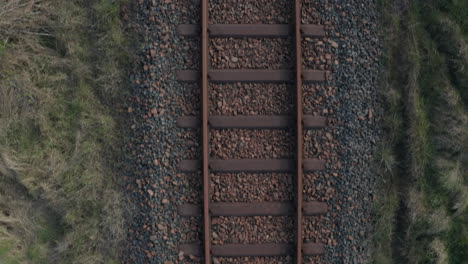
(59, 200)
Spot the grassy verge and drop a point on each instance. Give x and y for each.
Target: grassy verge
(60, 70)
(422, 216)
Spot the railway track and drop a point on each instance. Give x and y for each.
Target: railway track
(299, 122)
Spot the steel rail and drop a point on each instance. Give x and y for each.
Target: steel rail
(298, 50)
(205, 131)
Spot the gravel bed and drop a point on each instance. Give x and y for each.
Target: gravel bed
(251, 99)
(350, 99)
(189, 181)
(249, 187)
(248, 230)
(155, 145)
(251, 143)
(318, 187)
(313, 259)
(191, 52)
(251, 53)
(177, 11)
(190, 228)
(322, 144)
(256, 260)
(318, 99)
(317, 54)
(317, 12)
(191, 143)
(190, 102)
(316, 229)
(250, 11)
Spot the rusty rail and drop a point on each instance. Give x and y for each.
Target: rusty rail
(205, 106)
(299, 199)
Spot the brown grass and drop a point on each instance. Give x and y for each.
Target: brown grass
(59, 200)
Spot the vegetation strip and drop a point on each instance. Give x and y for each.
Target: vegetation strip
(422, 218)
(60, 72)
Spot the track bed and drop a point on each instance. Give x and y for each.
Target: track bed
(215, 165)
(228, 56)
